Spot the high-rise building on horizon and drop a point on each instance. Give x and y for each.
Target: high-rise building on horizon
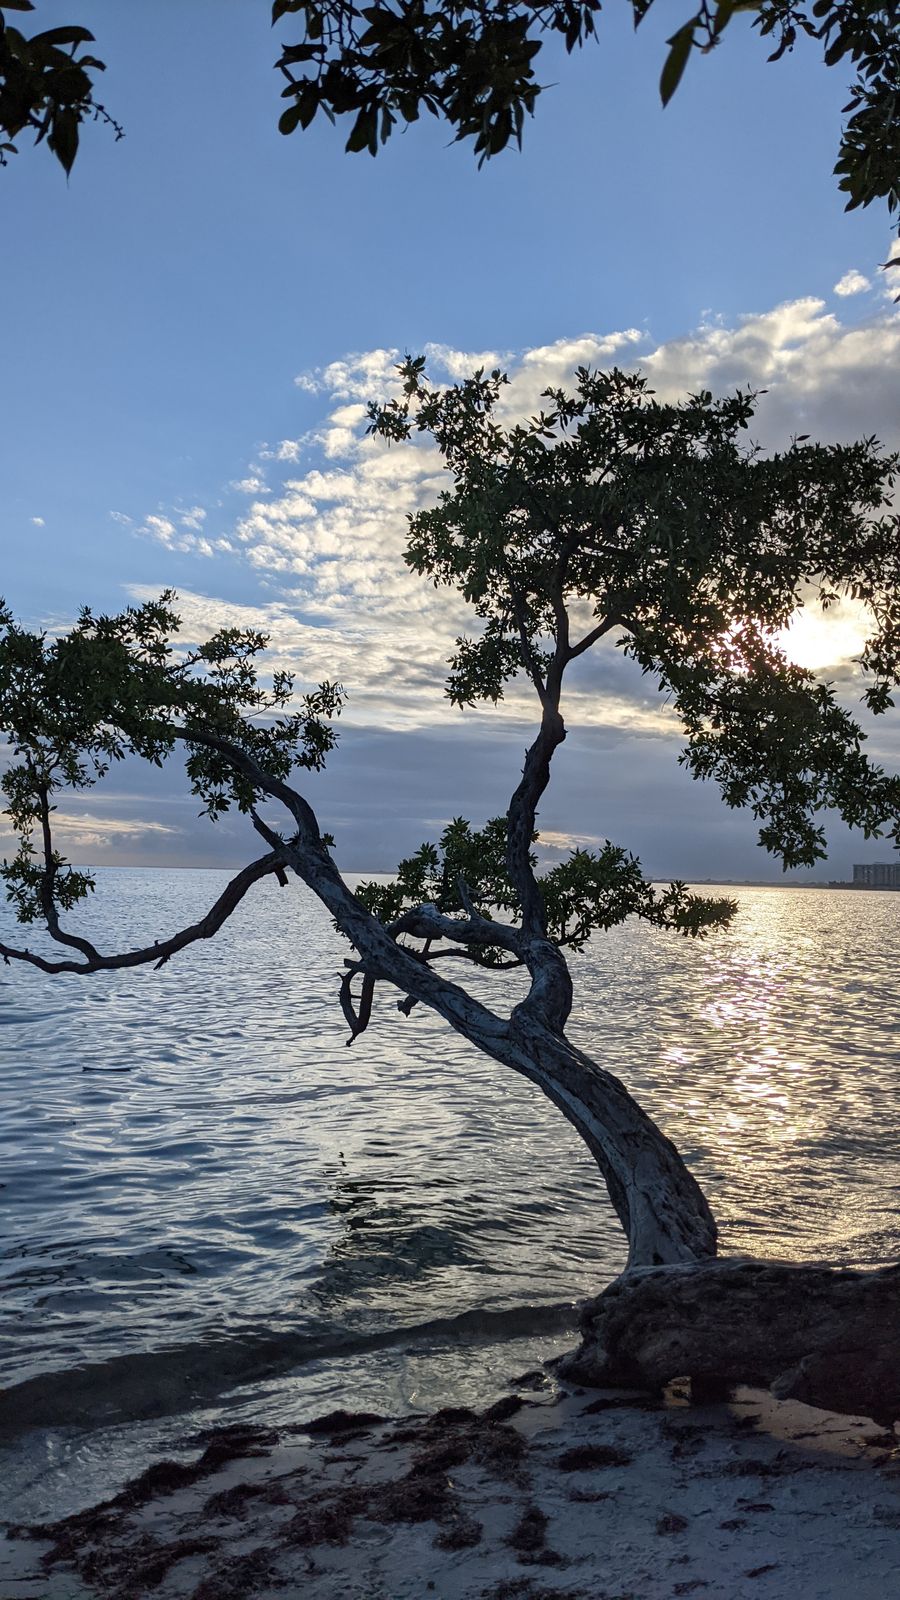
(877, 875)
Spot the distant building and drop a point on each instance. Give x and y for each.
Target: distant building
(877, 875)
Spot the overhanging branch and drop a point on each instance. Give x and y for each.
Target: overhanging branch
(161, 950)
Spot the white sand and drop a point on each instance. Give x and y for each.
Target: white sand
(756, 1500)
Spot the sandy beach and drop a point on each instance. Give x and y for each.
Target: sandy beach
(548, 1494)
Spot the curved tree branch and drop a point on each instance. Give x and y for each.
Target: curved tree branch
(48, 904)
(159, 952)
(426, 922)
(661, 1208)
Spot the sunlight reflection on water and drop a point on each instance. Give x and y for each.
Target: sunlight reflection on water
(195, 1154)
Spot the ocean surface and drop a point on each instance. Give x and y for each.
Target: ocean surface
(213, 1208)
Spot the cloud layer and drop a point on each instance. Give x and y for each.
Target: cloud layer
(311, 540)
(324, 533)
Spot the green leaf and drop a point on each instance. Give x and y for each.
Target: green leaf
(289, 119)
(63, 139)
(680, 46)
(64, 36)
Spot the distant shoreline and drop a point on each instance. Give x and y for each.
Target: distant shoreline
(791, 883)
(389, 872)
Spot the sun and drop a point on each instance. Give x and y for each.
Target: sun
(816, 639)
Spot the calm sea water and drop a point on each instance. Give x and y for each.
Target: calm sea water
(204, 1191)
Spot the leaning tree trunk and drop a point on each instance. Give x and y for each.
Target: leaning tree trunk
(662, 1209)
(826, 1336)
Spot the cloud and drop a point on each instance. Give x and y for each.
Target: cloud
(88, 831)
(326, 543)
(365, 375)
(64, 823)
(38, 522)
(556, 840)
(319, 523)
(852, 282)
(160, 528)
(252, 484)
(835, 380)
(163, 529)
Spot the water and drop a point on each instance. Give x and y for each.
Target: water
(209, 1201)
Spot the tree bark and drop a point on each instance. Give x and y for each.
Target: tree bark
(823, 1335)
(661, 1207)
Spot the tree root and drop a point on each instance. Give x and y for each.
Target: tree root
(827, 1336)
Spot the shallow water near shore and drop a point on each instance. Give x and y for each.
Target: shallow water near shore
(211, 1204)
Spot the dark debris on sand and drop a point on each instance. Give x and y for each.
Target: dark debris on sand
(105, 1548)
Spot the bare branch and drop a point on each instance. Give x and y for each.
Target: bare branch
(465, 896)
(521, 820)
(426, 922)
(357, 1020)
(529, 659)
(467, 955)
(584, 644)
(161, 951)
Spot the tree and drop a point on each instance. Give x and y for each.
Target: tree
(609, 513)
(473, 63)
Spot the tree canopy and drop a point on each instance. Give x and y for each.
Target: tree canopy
(610, 515)
(474, 64)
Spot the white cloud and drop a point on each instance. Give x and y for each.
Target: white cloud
(88, 831)
(821, 376)
(286, 450)
(38, 522)
(852, 282)
(552, 839)
(181, 539)
(63, 823)
(328, 541)
(365, 375)
(161, 528)
(252, 484)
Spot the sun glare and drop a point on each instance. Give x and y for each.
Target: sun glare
(816, 639)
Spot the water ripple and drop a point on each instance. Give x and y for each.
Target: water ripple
(190, 1154)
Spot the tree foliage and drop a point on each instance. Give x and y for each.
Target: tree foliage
(610, 515)
(663, 523)
(474, 64)
(47, 86)
(116, 686)
(588, 892)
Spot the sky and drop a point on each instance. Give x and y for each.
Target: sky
(194, 322)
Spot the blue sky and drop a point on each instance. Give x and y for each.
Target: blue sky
(161, 308)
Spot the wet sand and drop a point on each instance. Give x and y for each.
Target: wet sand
(548, 1494)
